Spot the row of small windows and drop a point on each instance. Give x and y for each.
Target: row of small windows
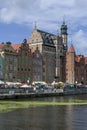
(37, 62)
(36, 40)
(11, 67)
(37, 70)
(10, 75)
(11, 59)
(24, 69)
(37, 77)
(51, 64)
(8, 50)
(25, 61)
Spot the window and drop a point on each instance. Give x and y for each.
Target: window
(15, 59)
(43, 78)
(32, 41)
(11, 59)
(39, 69)
(35, 69)
(6, 76)
(29, 69)
(36, 40)
(1, 74)
(11, 67)
(15, 68)
(6, 67)
(35, 77)
(38, 77)
(10, 75)
(43, 69)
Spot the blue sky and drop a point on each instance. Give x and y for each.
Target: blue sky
(17, 20)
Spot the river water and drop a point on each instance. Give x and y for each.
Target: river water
(46, 117)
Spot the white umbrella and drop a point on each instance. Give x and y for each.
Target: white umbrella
(17, 83)
(25, 86)
(39, 83)
(1, 82)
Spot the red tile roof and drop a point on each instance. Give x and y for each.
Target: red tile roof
(77, 58)
(71, 49)
(16, 46)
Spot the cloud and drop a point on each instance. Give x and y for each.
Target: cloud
(80, 42)
(27, 11)
(49, 15)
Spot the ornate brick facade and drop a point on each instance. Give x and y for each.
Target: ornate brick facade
(46, 46)
(25, 69)
(45, 57)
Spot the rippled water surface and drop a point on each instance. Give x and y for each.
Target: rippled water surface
(44, 117)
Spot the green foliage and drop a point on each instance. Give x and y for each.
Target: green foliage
(6, 106)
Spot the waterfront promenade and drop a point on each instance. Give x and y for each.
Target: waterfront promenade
(17, 93)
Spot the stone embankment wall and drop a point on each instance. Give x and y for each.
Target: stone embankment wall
(14, 93)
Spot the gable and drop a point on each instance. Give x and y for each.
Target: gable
(8, 47)
(35, 37)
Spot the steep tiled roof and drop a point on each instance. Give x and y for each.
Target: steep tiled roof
(16, 46)
(47, 37)
(71, 49)
(77, 59)
(80, 58)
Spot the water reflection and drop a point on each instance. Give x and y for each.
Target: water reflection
(47, 117)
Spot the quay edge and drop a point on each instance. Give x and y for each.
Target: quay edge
(20, 93)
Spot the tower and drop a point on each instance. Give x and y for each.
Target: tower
(70, 65)
(59, 55)
(64, 34)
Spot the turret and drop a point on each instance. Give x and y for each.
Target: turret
(70, 65)
(71, 49)
(64, 34)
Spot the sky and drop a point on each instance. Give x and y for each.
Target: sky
(18, 18)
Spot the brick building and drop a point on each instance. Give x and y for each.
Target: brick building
(45, 57)
(37, 65)
(46, 47)
(58, 62)
(53, 50)
(81, 69)
(25, 69)
(76, 67)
